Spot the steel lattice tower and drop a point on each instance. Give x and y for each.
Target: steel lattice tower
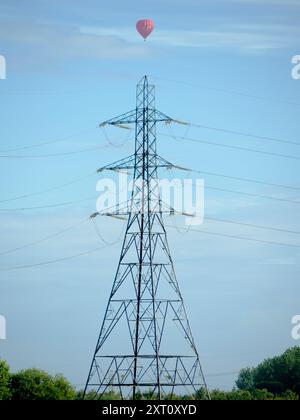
(145, 342)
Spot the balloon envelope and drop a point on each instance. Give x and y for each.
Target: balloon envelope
(145, 27)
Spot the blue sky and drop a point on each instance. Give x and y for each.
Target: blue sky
(72, 64)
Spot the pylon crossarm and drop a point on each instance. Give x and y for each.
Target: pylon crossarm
(123, 214)
(117, 215)
(127, 118)
(171, 165)
(135, 115)
(119, 210)
(109, 214)
(126, 163)
(129, 163)
(161, 117)
(163, 163)
(170, 210)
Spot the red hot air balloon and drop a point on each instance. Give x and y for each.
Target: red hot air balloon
(145, 27)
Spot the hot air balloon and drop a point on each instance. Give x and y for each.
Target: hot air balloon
(145, 27)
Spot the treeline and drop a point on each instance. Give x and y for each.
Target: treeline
(277, 378)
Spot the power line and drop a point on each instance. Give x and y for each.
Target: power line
(186, 83)
(251, 225)
(32, 93)
(170, 226)
(62, 139)
(268, 197)
(45, 143)
(66, 203)
(211, 375)
(95, 197)
(227, 146)
(250, 180)
(46, 238)
(90, 149)
(240, 133)
(231, 92)
(206, 232)
(23, 267)
(286, 200)
(187, 169)
(49, 189)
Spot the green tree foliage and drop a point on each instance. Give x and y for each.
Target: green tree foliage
(232, 395)
(254, 395)
(288, 395)
(5, 378)
(278, 375)
(35, 384)
(274, 379)
(245, 380)
(92, 395)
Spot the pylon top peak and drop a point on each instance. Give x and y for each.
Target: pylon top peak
(144, 80)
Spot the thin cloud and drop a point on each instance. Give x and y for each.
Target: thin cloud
(36, 43)
(248, 38)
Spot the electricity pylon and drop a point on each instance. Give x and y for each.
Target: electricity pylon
(145, 342)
